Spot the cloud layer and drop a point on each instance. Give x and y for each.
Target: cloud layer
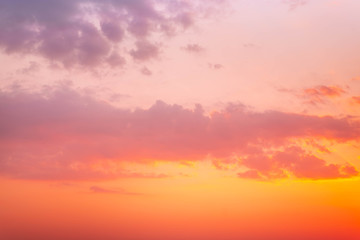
(65, 135)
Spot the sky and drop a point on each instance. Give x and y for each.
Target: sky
(179, 119)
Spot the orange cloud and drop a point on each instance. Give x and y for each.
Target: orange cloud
(296, 161)
(356, 100)
(320, 93)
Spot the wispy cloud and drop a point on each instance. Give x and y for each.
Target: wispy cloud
(97, 189)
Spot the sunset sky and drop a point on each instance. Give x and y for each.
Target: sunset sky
(179, 119)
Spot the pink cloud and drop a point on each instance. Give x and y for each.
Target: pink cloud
(65, 135)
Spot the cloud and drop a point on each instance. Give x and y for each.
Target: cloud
(356, 99)
(194, 48)
(66, 135)
(112, 31)
(293, 160)
(144, 51)
(250, 174)
(320, 93)
(87, 32)
(146, 71)
(215, 66)
(293, 4)
(325, 91)
(115, 60)
(97, 189)
(250, 45)
(33, 67)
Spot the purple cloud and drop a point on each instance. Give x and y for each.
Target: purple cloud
(86, 32)
(144, 51)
